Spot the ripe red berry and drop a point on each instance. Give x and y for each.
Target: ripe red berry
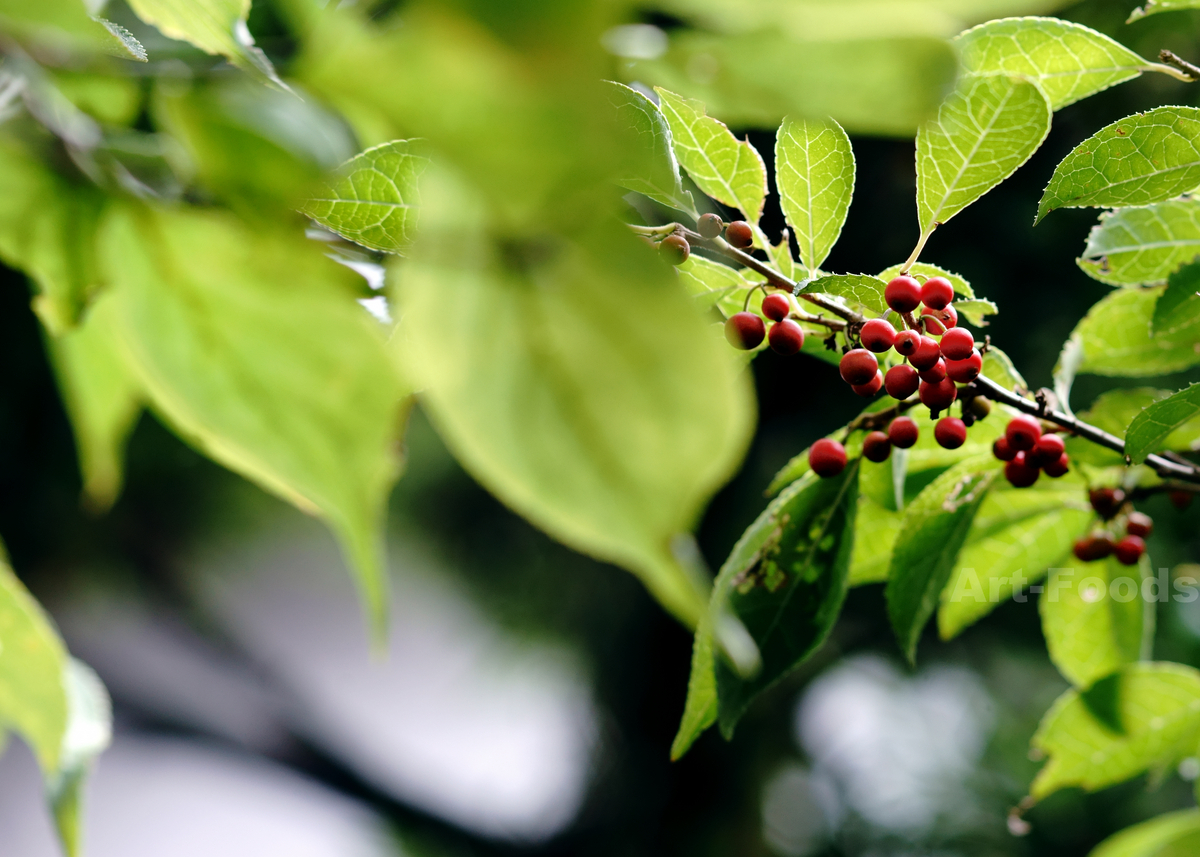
(1020, 473)
(870, 388)
(964, 371)
(827, 457)
(1106, 501)
(858, 366)
(1023, 432)
(674, 249)
(903, 432)
(776, 307)
(937, 292)
(907, 342)
(926, 355)
(878, 335)
(1139, 525)
(957, 344)
(948, 316)
(1129, 550)
(1058, 467)
(950, 432)
(786, 337)
(1002, 450)
(876, 446)
(903, 294)
(901, 381)
(709, 225)
(939, 396)
(1096, 546)
(1048, 449)
(1180, 499)
(745, 330)
(934, 373)
(739, 234)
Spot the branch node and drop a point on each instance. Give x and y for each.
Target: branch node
(1173, 59)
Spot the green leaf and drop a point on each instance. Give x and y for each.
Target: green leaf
(374, 201)
(983, 132)
(1157, 837)
(789, 593)
(1114, 338)
(933, 531)
(1068, 61)
(1112, 412)
(65, 25)
(650, 168)
(700, 710)
(88, 734)
(1153, 7)
(1156, 707)
(1017, 536)
(1143, 246)
(1141, 159)
(1155, 424)
(1179, 307)
(715, 285)
(859, 290)
(875, 533)
(814, 170)
(999, 367)
(975, 311)
(1089, 632)
(729, 170)
(251, 345)
(921, 270)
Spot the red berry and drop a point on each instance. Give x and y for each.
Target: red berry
(948, 316)
(950, 432)
(1002, 450)
(935, 373)
(786, 337)
(1129, 550)
(1023, 432)
(901, 381)
(926, 355)
(1139, 525)
(776, 307)
(1096, 546)
(878, 335)
(674, 249)
(1180, 499)
(957, 344)
(745, 330)
(739, 234)
(1020, 473)
(858, 366)
(1106, 501)
(709, 225)
(964, 371)
(939, 396)
(1058, 467)
(1048, 449)
(903, 294)
(876, 446)
(937, 292)
(903, 432)
(907, 342)
(870, 388)
(827, 457)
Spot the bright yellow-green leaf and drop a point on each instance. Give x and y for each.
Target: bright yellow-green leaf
(1152, 427)
(1142, 246)
(214, 26)
(1114, 338)
(814, 171)
(1153, 7)
(651, 167)
(1154, 838)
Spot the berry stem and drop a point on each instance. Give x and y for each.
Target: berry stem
(655, 231)
(1177, 66)
(880, 419)
(916, 253)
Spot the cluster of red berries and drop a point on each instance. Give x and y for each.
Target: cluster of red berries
(828, 457)
(1108, 502)
(745, 330)
(1027, 452)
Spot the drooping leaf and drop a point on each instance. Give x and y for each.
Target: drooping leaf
(374, 200)
(983, 132)
(650, 167)
(1161, 836)
(1068, 61)
(252, 346)
(1142, 246)
(859, 290)
(88, 734)
(1152, 7)
(1114, 338)
(1179, 307)
(975, 312)
(933, 531)
(1155, 709)
(1151, 428)
(922, 270)
(728, 169)
(814, 171)
(875, 532)
(700, 709)
(1141, 159)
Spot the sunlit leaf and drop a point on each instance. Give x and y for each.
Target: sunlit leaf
(814, 171)
(651, 167)
(923, 271)
(976, 311)
(1159, 421)
(1174, 834)
(715, 285)
(1152, 7)
(1112, 412)
(700, 709)
(858, 290)
(1178, 309)
(999, 367)
(214, 26)
(875, 532)
(1114, 338)
(1142, 246)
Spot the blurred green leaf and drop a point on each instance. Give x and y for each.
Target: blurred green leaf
(1114, 338)
(249, 342)
(983, 132)
(814, 172)
(1160, 836)
(1141, 159)
(66, 25)
(1151, 428)
(1112, 412)
(875, 532)
(700, 710)
(651, 169)
(715, 285)
(1155, 6)
(859, 290)
(374, 200)
(1179, 307)
(1142, 246)
(975, 311)
(214, 26)
(88, 734)
(1157, 709)
(922, 270)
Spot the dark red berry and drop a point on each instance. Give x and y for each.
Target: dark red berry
(739, 234)
(1180, 499)
(1048, 449)
(939, 396)
(948, 316)
(926, 355)
(1138, 524)
(1106, 501)
(827, 457)
(745, 330)
(876, 446)
(870, 388)
(1058, 467)
(674, 249)
(786, 337)
(1096, 546)
(907, 342)
(858, 366)
(957, 344)
(903, 432)
(1002, 450)
(937, 292)
(965, 371)
(903, 294)
(1023, 432)
(776, 307)
(1129, 550)
(980, 407)
(709, 225)
(878, 335)
(950, 432)
(1020, 473)
(934, 373)
(901, 381)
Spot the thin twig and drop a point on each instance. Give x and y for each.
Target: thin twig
(880, 419)
(1173, 59)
